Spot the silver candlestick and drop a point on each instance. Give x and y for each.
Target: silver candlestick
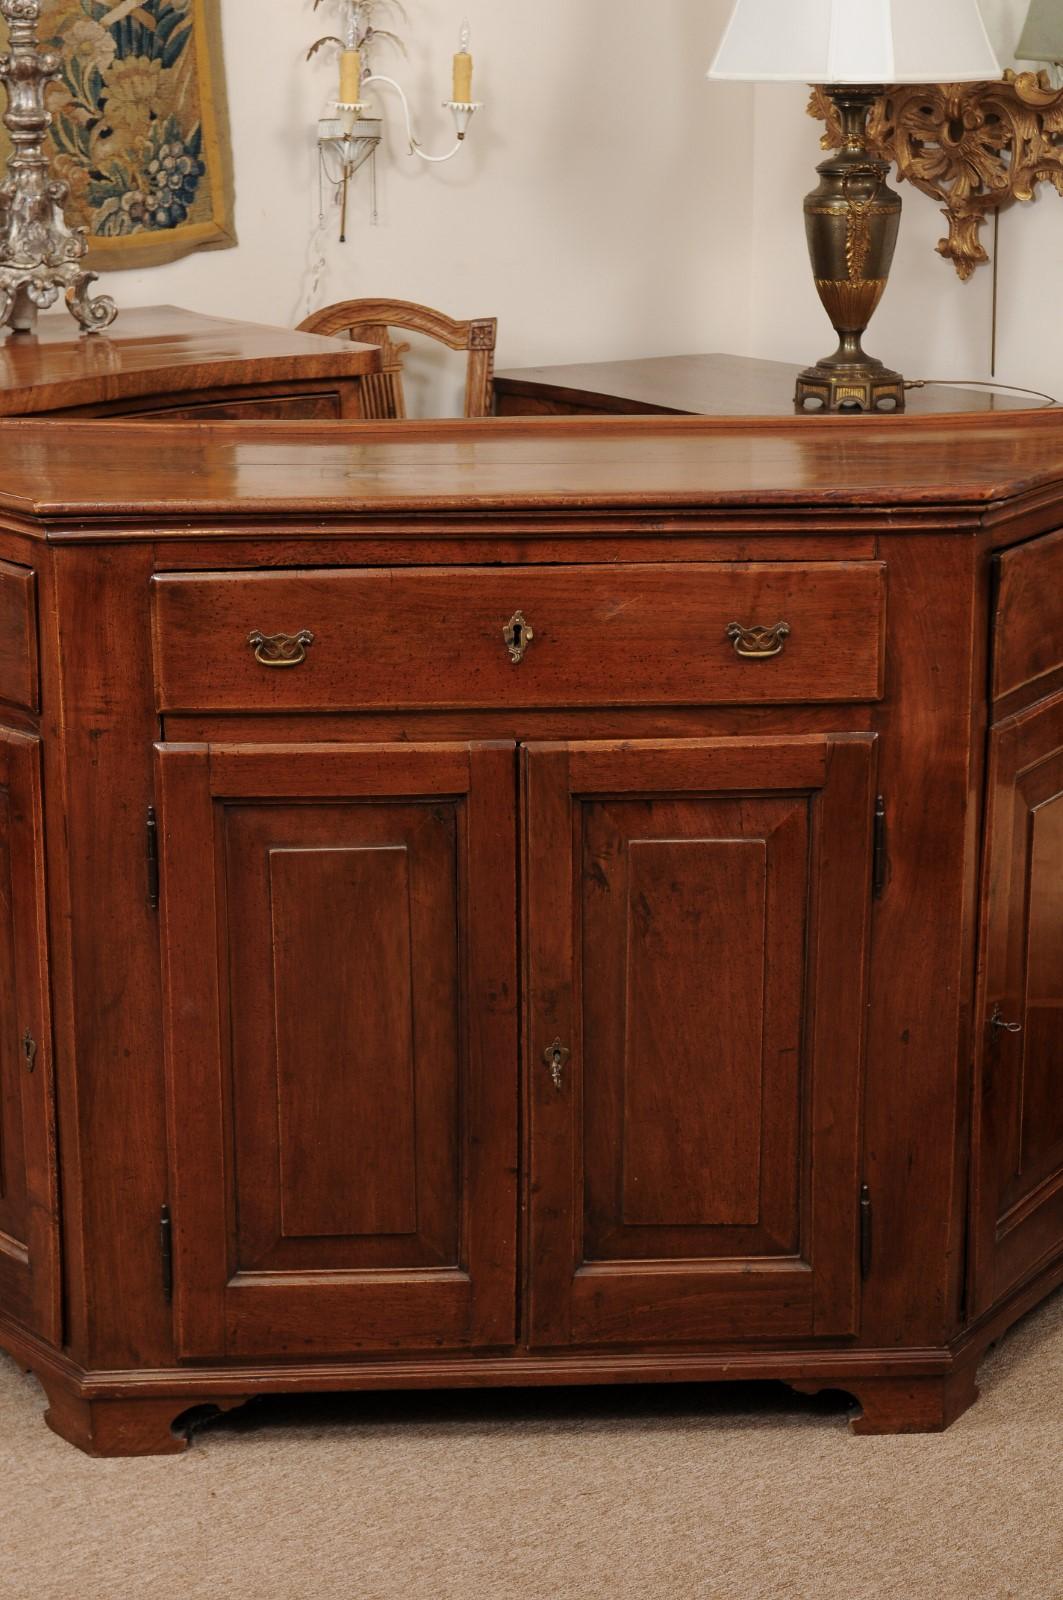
(39, 253)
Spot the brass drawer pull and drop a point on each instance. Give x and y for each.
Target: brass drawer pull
(758, 644)
(518, 635)
(281, 649)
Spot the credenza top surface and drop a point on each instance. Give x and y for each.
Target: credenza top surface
(63, 473)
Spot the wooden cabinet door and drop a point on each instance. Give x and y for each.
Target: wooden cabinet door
(697, 943)
(339, 927)
(1018, 1109)
(29, 1224)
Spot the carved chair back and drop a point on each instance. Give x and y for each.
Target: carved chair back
(371, 322)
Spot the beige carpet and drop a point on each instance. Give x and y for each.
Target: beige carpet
(740, 1493)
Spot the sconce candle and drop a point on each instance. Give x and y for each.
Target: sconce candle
(463, 69)
(350, 77)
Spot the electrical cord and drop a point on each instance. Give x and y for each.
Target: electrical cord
(979, 383)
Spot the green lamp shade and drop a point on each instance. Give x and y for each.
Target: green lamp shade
(1042, 37)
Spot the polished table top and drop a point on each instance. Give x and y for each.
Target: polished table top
(708, 385)
(80, 476)
(152, 349)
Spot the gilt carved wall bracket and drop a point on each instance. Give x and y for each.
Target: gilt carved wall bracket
(974, 147)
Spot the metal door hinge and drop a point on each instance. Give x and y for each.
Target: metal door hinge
(166, 1251)
(866, 1234)
(153, 859)
(29, 1050)
(879, 858)
(1000, 1024)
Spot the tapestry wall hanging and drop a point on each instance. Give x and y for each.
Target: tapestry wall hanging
(140, 127)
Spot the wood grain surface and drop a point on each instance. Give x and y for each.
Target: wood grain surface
(709, 385)
(162, 350)
(650, 635)
(1028, 636)
(709, 1087)
(545, 466)
(18, 637)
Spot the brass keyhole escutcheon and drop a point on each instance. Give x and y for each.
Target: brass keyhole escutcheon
(518, 634)
(29, 1050)
(557, 1058)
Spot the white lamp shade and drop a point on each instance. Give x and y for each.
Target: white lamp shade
(1042, 37)
(856, 42)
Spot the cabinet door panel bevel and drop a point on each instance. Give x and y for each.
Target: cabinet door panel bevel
(697, 936)
(341, 954)
(30, 1286)
(694, 926)
(1018, 1121)
(695, 1158)
(13, 1198)
(342, 1138)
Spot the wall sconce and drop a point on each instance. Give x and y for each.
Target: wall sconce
(976, 148)
(352, 135)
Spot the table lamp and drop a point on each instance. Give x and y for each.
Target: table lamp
(854, 48)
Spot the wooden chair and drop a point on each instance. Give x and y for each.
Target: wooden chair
(370, 322)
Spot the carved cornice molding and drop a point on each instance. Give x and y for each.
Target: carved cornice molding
(974, 147)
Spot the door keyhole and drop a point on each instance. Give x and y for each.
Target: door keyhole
(556, 1057)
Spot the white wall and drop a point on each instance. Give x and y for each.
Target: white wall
(611, 202)
(595, 211)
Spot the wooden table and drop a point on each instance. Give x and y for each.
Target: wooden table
(165, 361)
(708, 385)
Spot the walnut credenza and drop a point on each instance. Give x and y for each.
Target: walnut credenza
(527, 903)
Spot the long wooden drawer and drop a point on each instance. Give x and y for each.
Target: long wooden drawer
(1028, 631)
(18, 637)
(595, 635)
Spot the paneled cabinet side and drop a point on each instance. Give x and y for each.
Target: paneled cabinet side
(922, 940)
(31, 1299)
(99, 691)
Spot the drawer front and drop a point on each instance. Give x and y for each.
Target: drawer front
(18, 637)
(520, 637)
(251, 408)
(1028, 634)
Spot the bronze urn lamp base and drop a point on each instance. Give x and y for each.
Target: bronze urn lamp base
(852, 219)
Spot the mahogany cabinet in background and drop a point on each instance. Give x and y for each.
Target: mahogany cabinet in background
(534, 903)
(177, 365)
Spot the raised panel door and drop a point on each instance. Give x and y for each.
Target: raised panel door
(696, 952)
(29, 1227)
(1018, 1121)
(342, 1054)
